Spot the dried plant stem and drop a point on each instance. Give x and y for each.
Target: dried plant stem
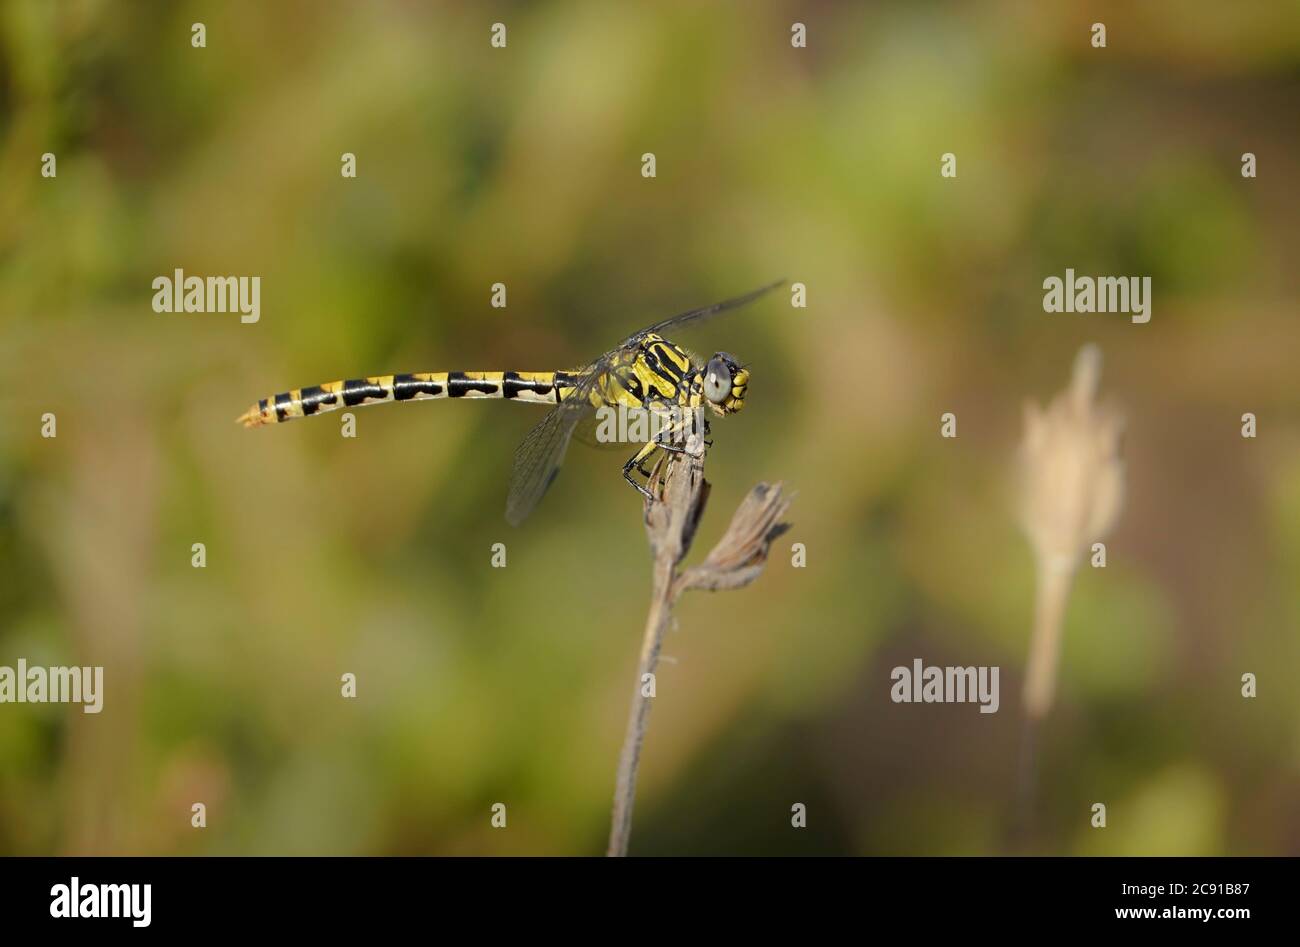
(1027, 780)
(1053, 594)
(1071, 487)
(1054, 580)
(738, 558)
(661, 605)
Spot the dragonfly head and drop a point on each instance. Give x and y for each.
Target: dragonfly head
(724, 382)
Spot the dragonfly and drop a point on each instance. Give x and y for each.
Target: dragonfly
(645, 372)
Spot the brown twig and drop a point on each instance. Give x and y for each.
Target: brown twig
(738, 559)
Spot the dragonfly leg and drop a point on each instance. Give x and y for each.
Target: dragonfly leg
(637, 461)
(667, 438)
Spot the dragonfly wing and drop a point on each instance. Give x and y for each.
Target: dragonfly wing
(587, 433)
(700, 315)
(540, 453)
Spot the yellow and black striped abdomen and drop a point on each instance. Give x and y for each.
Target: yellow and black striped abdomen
(536, 387)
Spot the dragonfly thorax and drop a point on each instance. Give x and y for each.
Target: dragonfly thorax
(657, 373)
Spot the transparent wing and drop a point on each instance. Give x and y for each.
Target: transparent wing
(586, 432)
(700, 315)
(540, 453)
(626, 421)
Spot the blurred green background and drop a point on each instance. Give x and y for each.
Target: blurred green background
(522, 165)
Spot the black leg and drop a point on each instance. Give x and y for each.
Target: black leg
(634, 461)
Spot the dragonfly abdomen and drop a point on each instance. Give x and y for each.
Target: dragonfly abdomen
(535, 387)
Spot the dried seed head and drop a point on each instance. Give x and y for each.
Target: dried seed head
(1071, 474)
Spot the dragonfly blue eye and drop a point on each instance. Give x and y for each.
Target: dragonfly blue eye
(717, 381)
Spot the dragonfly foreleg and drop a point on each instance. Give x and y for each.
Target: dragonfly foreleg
(636, 461)
(667, 440)
(664, 440)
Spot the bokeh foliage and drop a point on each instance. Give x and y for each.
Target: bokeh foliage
(522, 165)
